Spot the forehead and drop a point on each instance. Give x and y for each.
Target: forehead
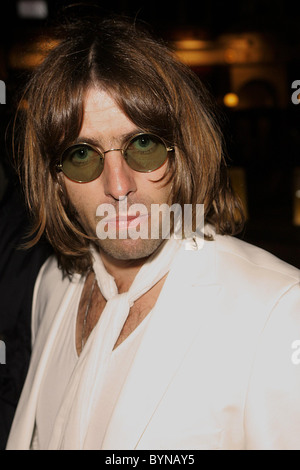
(102, 117)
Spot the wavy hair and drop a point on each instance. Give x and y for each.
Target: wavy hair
(156, 92)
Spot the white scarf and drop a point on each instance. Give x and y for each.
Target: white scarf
(88, 377)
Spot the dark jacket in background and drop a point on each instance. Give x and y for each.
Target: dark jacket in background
(18, 272)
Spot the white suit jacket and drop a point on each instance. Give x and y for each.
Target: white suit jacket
(218, 367)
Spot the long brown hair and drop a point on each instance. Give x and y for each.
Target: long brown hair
(154, 89)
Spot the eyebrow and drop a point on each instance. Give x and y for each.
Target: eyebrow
(97, 142)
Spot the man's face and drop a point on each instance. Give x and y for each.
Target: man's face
(106, 126)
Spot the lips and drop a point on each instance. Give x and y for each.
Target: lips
(127, 221)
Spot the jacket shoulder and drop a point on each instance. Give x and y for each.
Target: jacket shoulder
(50, 288)
(248, 258)
(253, 275)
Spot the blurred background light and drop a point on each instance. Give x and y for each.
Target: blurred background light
(296, 217)
(29, 55)
(231, 100)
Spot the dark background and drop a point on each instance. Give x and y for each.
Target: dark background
(250, 48)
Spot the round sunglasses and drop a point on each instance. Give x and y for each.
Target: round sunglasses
(84, 162)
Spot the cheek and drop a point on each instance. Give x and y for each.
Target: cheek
(80, 196)
(161, 192)
(156, 186)
(73, 192)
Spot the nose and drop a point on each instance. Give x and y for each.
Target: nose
(118, 178)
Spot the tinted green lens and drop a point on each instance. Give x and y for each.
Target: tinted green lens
(82, 163)
(145, 153)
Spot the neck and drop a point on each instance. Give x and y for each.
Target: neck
(123, 271)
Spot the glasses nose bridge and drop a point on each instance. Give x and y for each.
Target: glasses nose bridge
(113, 150)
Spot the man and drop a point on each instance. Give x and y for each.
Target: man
(146, 342)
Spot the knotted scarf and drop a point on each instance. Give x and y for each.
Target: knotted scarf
(88, 377)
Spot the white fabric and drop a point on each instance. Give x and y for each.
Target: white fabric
(214, 369)
(59, 369)
(121, 360)
(89, 375)
(60, 366)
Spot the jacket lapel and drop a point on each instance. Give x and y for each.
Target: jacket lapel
(23, 425)
(175, 323)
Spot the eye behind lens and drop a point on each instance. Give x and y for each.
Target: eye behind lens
(144, 143)
(146, 153)
(82, 163)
